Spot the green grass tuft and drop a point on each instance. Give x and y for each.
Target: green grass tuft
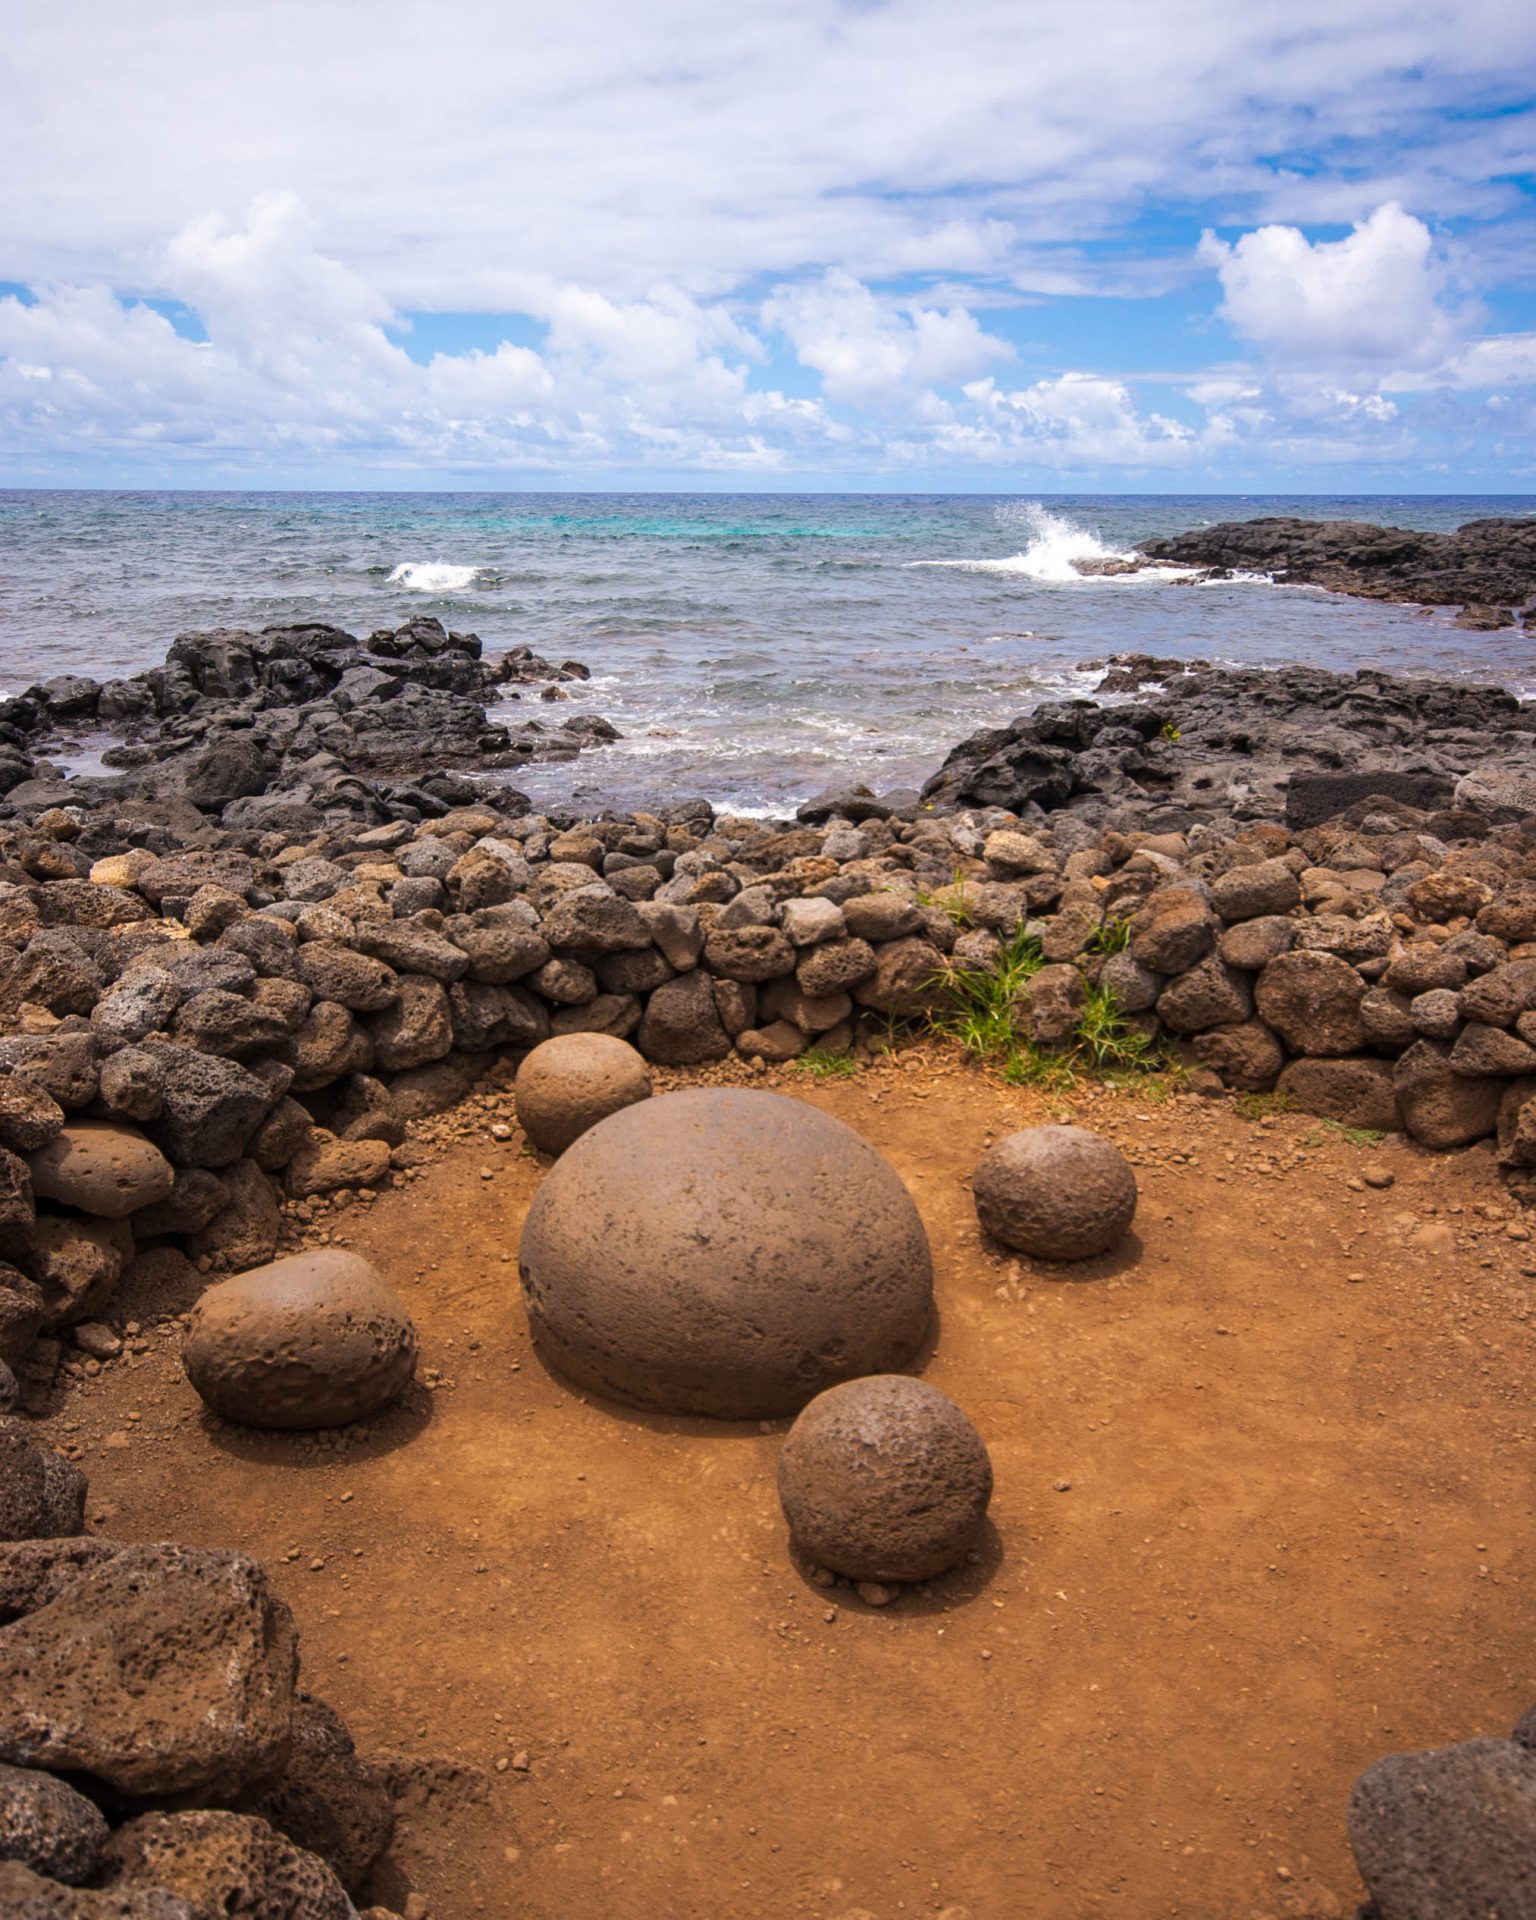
(1327, 1130)
(1257, 1106)
(1114, 936)
(825, 1064)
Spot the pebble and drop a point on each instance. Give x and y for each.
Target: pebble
(874, 1595)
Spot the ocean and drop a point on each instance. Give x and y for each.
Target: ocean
(750, 648)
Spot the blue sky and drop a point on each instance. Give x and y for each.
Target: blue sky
(968, 244)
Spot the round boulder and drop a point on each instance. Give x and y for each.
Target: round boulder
(884, 1479)
(571, 1082)
(1060, 1193)
(724, 1252)
(96, 1167)
(316, 1340)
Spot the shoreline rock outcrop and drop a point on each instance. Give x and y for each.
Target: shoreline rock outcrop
(1487, 567)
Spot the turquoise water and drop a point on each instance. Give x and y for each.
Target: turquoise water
(751, 648)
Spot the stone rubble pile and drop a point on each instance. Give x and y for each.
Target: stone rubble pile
(157, 1754)
(191, 1035)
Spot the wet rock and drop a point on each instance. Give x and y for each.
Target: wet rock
(100, 1169)
(316, 1340)
(884, 1479)
(569, 1083)
(723, 1252)
(48, 1827)
(1060, 1193)
(224, 1863)
(157, 1670)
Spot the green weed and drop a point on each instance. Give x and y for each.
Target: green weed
(1114, 936)
(825, 1064)
(1258, 1106)
(1327, 1130)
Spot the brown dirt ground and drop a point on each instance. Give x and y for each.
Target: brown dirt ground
(1263, 1513)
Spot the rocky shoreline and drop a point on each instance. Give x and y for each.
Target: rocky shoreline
(250, 965)
(1487, 567)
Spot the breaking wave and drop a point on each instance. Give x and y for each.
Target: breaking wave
(433, 576)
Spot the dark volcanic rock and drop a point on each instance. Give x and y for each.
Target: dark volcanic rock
(281, 727)
(1176, 743)
(1488, 564)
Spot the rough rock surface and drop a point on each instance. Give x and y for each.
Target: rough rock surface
(884, 1479)
(48, 1826)
(724, 1252)
(158, 1670)
(1171, 743)
(224, 1863)
(316, 1340)
(572, 1081)
(1486, 563)
(328, 1803)
(25, 1895)
(42, 1495)
(1059, 1193)
(1450, 1834)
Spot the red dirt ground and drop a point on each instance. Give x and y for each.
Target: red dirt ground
(1263, 1513)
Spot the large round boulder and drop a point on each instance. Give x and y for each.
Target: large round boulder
(1060, 1193)
(569, 1083)
(99, 1168)
(884, 1479)
(316, 1340)
(724, 1252)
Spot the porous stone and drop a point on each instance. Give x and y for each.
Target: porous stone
(1439, 1106)
(101, 1169)
(569, 1083)
(681, 1025)
(1247, 1056)
(1312, 1000)
(884, 1479)
(78, 1263)
(159, 1670)
(1060, 1193)
(1250, 892)
(316, 1340)
(328, 1802)
(1355, 1092)
(42, 1495)
(224, 1863)
(1211, 994)
(416, 1029)
(726, 1252)
(325, 1163)
(48, 1826)
(245, 1230)
(25, 1895)
(1449, 1834)
(29, 1116)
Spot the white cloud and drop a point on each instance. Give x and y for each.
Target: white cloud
(864, 347)
(449, 152)
(1373, 296)
(1078, 420)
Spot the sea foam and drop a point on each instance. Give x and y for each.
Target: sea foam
(1055, 555)
(433, 576)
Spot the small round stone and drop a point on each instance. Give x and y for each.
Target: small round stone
(102, 1169)
(316, 1340)
(884, 1479)
(726, 1252)
(1060, 1193)
(571, 1082)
